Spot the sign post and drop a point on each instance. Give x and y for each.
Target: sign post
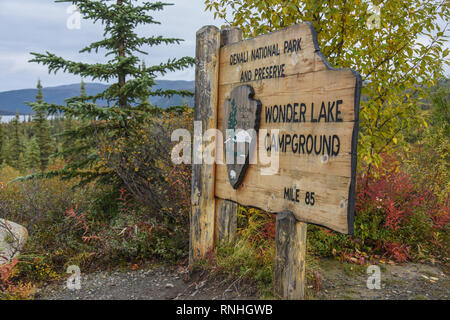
(286, 138)
(203, 203)
(226, 211)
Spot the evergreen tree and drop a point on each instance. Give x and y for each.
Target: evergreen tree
(32, 154)
(6, 153)
(68, 141)
(42, 129)
(21, 163)
(15, 145)
(120, 19)
(73, 146)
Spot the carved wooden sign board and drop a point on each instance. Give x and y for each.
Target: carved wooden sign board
(281, 86)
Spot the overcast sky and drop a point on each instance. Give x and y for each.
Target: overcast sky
(41, 25)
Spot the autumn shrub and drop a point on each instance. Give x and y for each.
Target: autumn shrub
(255, 226)
(71, 225)
(142, 160)
(39, 205)
(10, 290)
(133, 235)
(395, 218)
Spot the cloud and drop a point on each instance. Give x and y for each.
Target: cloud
(39, 26)
(31, 10)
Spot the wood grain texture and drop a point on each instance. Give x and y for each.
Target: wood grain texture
(203, 175)
(229, 35)
(290, 253)
(308, 79)
(226, 221)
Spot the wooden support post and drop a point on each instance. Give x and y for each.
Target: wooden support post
(226, 221)
(226, 211)
(205, 112)
(230, 35)
(290, 253)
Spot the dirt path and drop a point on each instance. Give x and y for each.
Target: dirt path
(408, 281)
(160, 283)
(337, 281)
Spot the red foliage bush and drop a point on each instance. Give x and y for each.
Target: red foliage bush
(6, 270)
(10, 290)
(78, 219)
(395, 216)
(392, 192)
(268, 229)
(388, 190)
(389, 199)
(398, 252)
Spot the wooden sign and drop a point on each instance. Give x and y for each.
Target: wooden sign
(290, 127)
(313, 106)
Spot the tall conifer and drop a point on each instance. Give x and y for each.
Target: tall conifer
(32, 154)
(131, 81)
(15, 146)
(42, 129)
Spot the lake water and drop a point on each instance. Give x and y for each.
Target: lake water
(6, 119)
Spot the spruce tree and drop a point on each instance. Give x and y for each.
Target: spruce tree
(131, 81)
(67, 141)
(15, 145)
(21, 163)
(42, 129)
(71, 141)
(32, 154)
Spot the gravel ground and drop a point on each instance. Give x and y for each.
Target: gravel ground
(336, 281)
(410, 281)
(160, 283)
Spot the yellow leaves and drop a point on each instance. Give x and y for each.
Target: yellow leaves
(395, 140)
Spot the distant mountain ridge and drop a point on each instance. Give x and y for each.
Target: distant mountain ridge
(15, 100)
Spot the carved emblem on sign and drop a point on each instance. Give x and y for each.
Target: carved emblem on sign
(241, 117)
